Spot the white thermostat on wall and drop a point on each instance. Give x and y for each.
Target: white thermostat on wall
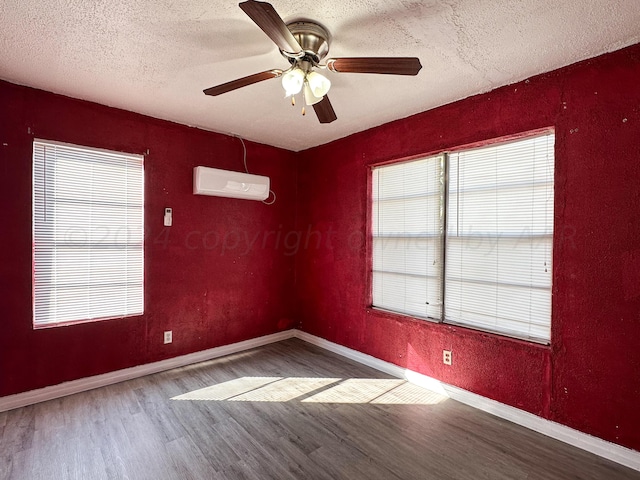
(168, 217)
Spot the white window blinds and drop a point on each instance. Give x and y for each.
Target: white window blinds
(407, 237)
(497, 248)
(499, 237)
(87, 233)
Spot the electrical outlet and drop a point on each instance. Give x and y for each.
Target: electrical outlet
(447, 357)
(168, 336)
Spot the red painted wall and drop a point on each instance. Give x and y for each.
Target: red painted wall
(219, 275)
(589, 378)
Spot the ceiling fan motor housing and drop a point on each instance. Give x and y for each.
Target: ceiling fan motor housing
(314, 40)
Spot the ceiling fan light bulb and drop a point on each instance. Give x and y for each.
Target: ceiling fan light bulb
(292, 81)
(309, 97)
(319, 84)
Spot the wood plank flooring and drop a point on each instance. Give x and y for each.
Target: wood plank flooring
(284, 411)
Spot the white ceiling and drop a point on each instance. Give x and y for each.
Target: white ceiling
(156, 56)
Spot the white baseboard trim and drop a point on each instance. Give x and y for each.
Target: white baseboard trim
(83, 384)
(622, 455)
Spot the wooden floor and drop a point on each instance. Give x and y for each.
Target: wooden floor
(284, 411)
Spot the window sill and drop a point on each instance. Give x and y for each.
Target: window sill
(470, 330)
(47, 326)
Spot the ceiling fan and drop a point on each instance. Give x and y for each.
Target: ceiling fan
(305, 44)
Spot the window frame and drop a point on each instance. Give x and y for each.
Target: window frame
(434, 156)
(446, 154)
(42, 142)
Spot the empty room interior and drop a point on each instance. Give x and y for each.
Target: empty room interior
(320, 240)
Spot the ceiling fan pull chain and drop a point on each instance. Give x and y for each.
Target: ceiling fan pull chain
(304, 102)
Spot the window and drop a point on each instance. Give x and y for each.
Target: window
(87, 233)
(475, 249)
(407, 237)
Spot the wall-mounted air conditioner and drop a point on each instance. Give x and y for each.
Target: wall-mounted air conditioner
(225, 183)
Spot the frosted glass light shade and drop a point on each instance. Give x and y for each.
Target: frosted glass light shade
(292, 81)
(319, 84)
(309, 97)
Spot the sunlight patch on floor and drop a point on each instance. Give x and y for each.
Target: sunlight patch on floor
(355, 390)
(284, 390)
(316, 390)
(227, 390)
(410, 394)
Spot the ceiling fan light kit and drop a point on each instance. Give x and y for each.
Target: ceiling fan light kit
(305, 44)
(309, 97)
(319, 84)
(293, 81)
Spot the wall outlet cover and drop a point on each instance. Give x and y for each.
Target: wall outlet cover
(447, 357)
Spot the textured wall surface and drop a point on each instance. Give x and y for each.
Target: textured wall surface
(229, 269)
(217, 276)
(589, 377)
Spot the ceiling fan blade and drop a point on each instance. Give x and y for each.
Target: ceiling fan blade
(242, 82)
(324, 110)
(266, 17)
(387, 65)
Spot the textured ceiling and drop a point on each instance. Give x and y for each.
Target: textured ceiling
(156, 56)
